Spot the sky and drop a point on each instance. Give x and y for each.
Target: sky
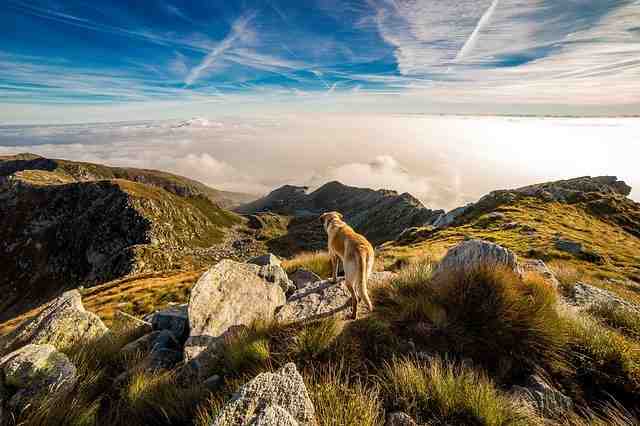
(77, 61)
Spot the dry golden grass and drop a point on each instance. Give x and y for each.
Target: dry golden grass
(317, 262)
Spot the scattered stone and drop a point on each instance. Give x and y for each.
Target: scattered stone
(156, 340)
(537, 266)
(213, 382)
(268, 259)
(569, 246)
(548, 401)
(302, 277)
(585, 296)
(228, 294)
(62, 323)
(266, 398)
(162, 359)
(174, 319)
(35, 371)
(400, 419)
(323, 299)
(473, 254)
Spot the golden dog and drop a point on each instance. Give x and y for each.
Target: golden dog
(356, 254)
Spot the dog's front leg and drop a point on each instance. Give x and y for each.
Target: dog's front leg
(335, 264)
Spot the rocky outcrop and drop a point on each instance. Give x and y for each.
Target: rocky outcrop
(61, 323)
(323, 299)
(548, 401)
(380, 215)
(58, 236)
(473, 254)
(228, 294)
(278, 398)
(538, 267)
(33, 372)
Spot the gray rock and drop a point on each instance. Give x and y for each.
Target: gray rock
(257, 400)
(162, 359)
(265, 260)
(549, 402)
(400, 419)
(62, 323)
(473, 254)
(35, 371)
(156, 340)
(450, 217)
(302, 277)
(174, 319)
(276, 275)
(323, 299)
(585, 296)
(539, 267)
(569, 246)
(228, 294)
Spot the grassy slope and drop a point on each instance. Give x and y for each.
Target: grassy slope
(620, 249)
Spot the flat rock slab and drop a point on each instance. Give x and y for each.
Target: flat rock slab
(228, 294)
(323, 299)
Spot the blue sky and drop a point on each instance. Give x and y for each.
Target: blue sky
(80, 61)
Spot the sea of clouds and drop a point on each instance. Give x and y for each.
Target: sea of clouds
(445, 161)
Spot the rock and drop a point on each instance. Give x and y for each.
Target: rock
(473, 254)
(549, 402)
(213, 382)
(569, 246)
(266, 398)
(585, 296)
(416, 233)
(276, 275)
(449, 218)
(228, 294)
(162, 359)
(265, 260)
(62, 323)
(35, 371)
(156, 340)
(539, 267)
(400, 419)
(174, 319)
(302, 277)
(323, 299)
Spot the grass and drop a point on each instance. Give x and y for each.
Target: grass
(500, 321)
(316, 338)
(438, 391)
(341, 400)
(624, 320)
(317, 262)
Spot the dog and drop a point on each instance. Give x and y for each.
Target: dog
(356, 254)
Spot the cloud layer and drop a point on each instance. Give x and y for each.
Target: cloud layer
(444, 161)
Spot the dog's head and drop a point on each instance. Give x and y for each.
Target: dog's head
(328, 218)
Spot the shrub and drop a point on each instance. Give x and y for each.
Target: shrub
(341, 400)
(507, 324)
(317, 262)
(444, 392)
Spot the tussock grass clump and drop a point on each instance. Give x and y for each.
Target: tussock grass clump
(606, 361)
(438, 391)
(315, 339)
(317, 262)
(615, 316)
(501, 321)
(609, 414)
(342, 400)
(248, 350)
(568, 275)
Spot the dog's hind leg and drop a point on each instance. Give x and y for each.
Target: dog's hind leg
(354, 299)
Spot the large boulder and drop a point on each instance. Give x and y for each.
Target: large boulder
(279, 398)
(35, 371)
(585, 296)
(323, 299)
(228, 294)
(471, 255)
(265, 260)
(62, 323)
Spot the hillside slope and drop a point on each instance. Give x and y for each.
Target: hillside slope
(60, 233)
(380, 215)
(66, 170)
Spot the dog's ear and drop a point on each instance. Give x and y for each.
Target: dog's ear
(340, 216)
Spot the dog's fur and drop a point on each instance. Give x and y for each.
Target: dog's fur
(356, 254)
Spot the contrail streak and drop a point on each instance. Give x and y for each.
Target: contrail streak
(471, 41)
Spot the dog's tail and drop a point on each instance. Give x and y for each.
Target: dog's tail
(366, 265)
